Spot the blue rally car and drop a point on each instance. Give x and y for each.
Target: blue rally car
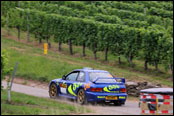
(89, 85)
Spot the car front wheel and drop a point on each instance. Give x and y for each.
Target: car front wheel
(53, 91)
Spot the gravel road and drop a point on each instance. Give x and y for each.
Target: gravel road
(130, 107)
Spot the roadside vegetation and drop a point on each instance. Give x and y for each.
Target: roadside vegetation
(30, 105)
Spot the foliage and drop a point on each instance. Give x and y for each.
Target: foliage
(4, 65)
(125, 28)
(36, 66)
(2, 21)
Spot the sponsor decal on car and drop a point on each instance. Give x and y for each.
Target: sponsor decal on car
(100, 97)
(111, 87)
(71, 91)
(76, 85)
(109, 75)
(122, 97)
(73, 87)
(63, 87)
(57, 82)
(86, 86)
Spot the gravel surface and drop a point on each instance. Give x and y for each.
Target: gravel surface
(130, 107)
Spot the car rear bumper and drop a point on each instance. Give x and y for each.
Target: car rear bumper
(96, 96)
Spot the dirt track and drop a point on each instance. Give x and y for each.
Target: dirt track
(130, 107)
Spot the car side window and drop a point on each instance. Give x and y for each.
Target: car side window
(81, 77)
(72, 76)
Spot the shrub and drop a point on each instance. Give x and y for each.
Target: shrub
(4, 65)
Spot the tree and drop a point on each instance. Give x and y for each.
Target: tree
(153, 46)
(91, 36)
(148, 46)
(15, 20)
(106, 36)
(117, 47)
(168, 59)
(5, 8)
(59, 35)
(131, 43)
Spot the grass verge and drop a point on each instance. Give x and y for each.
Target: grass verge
(22, 104)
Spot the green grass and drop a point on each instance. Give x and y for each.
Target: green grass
(38, 67)
(33, 64)
(22, 104)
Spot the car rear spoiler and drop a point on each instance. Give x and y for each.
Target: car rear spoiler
(122, 80)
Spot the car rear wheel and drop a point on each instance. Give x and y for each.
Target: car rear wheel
(53, 91)
(81, 98)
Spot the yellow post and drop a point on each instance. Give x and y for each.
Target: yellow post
(157, 108)
(45, 48)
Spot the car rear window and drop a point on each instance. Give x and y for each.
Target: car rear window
(94, 75)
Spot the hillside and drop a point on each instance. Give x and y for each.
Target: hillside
(131, 39)
(33, 64)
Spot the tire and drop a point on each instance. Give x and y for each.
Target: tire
(94, 103)
(81, 97)
(53, 91)
(118, 103)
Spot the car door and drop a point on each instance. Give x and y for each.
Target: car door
(69, 80)
(76, 84)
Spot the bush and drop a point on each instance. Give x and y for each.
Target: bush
(4, 62)
(2, 21)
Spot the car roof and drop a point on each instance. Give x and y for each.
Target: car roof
(90, 70)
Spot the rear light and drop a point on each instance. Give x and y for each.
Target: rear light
(123, 90)
(96, 89)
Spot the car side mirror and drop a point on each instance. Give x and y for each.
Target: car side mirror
(63, 77)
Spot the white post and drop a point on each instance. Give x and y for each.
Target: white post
(9, 85)
(8, 93)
